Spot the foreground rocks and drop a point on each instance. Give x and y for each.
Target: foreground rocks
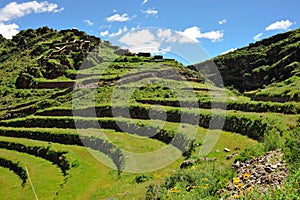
(259, 174)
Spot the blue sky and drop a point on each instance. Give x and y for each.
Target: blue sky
(216, 25)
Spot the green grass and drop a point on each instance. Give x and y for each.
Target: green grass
(90, 179)
(39, 170)
(11, 185)
(285, 89)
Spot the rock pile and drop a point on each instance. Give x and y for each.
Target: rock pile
(258, 174)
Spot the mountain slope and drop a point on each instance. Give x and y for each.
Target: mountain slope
(124, 105)
(269, 61)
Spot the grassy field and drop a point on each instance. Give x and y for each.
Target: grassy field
(50, 106)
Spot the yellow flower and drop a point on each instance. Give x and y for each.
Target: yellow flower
(246, 176)
(193, 167)
(235, 197)
(205, 179)
(250, 189)
(239, 185)
(236, 180)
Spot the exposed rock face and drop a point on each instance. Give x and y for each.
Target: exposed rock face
(260, 173)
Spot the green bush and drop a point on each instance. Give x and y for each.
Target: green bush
(197, 182)
(272, 140)
(292, 148)
(143, 178)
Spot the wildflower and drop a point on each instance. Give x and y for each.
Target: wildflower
(205, 179)
(235, 197)
(250, 189)
(193, 167)
(239, 185)
(246, 176)
(236, 180)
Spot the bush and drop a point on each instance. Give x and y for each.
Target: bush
(197, 182)
(272, 140)
(292, 149)
(143, 178)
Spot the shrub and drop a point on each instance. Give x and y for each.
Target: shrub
(272, 140)
(143, 178)
(197, 182)
(292, 148)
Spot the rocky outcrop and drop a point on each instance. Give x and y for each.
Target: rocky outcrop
(261, 173)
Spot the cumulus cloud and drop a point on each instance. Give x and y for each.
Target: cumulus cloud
(257, 37)
(167, 35)
(8, 30)
(223, 21)
(279, 25)
(118, 18)
(88, 22)
(194, 33)
(150, 12)
(142, 40)
(104, 33)
(15, 10)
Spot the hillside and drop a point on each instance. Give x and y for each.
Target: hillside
(269, 68)
(81, 118)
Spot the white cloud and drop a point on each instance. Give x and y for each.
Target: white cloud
(144, 2)
(150, 12)
(192, 35)
(229, 50)
(257, 37)
(142, 40)
(8, 30)
(166, 35)
(223, 21)
(214, 36)
(119, 32)
(14, 10)
(165, 50)
(104, 33)
(118, 18)
(279, 25)
(88, 22)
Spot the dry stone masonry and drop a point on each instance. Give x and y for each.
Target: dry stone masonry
(261, 173)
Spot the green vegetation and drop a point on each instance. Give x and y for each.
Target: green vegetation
(270, 67)
(57, 88)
